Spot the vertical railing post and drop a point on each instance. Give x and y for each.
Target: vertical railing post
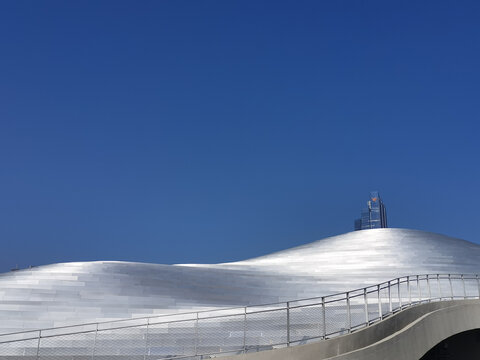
(464, 290)
(439, 287)
(95, 342)
(324, 319)
(419, 291)
(380, 315)
(409, 291)
(429, 290)
(478, 285)
(451, 287)
(399, 295)
(245, 330)
(197, 336)
(390, 306)
(146, 339)
(38, 343)
(365, 301)
(349, 315)
(288, 323)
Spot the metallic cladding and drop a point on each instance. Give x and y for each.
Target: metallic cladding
(71, 293)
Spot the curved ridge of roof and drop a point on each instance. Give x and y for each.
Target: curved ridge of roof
(79, 292)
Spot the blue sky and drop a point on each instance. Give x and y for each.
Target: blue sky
(210, 131)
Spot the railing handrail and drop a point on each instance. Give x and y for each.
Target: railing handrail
(242, 309)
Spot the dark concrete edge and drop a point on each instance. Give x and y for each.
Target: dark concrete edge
(415, 340)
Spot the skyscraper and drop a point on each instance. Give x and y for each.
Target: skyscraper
(374, 216)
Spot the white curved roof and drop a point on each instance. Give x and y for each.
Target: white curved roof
(70, 293)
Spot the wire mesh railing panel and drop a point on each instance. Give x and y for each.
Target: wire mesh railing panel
(357, 313)
(457, 288)
(432, 284)
(444, 286)
(413, 291)
(416, 290)
(266, 328)
(395, 295)
(66, 346)
(356, 300)
(218, 335)
(384, 300)
(172, 339)
(404, 296)
(306, 322)
(19, 349)
(424, 288)
(129, 342)
(372, 301)
(336, 316)
(471, 288)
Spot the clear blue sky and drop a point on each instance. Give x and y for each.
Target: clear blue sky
(208, 131)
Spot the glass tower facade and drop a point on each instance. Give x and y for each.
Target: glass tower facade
(374, 216)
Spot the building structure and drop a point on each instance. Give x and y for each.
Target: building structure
(374, 216)
(80, 292)
(83, 301)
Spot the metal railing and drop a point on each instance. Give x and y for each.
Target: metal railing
(208, 334)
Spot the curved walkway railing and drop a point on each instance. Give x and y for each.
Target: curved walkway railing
(208, 334)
